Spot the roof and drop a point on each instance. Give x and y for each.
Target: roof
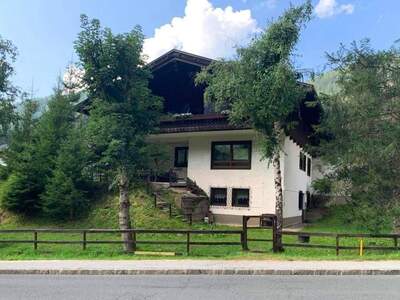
(178, 55)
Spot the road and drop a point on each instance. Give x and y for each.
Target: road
(63, 287)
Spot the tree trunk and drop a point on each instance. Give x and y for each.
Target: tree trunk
(124, 215)
(276, 162)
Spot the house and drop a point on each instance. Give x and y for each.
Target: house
(224, 160)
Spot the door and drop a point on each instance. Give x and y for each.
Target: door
(181, 162)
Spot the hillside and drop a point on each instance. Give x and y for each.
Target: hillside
(326, 83)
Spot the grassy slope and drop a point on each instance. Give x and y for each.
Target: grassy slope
(105, 214)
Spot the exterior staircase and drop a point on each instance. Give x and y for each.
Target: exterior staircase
(188, 203)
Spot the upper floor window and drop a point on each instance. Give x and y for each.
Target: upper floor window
(231, 155)
(308, 166)
(302, 161)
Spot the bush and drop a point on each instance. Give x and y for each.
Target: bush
(62, 200)
(66, 191)
(19, 194)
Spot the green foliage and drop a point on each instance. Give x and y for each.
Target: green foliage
(260, 86)
(362, 121)
(8, 92)
(326, 83)
(123, 108)
(322, 186)
(19, 194)
(33, 155)
(66, 193)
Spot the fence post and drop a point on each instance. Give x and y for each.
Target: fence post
(274, 235)
(244, 234)
(35, 236)
(187, 242)
(396, 242)
(170, 210)
(84, 240)
(134, 240)
(155, 200)
(190, 219)
(337, 245)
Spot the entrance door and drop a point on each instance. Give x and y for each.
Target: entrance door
(181, 162)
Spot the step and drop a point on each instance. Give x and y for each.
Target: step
(178, 184)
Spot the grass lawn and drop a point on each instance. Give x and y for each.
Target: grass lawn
(105, 215)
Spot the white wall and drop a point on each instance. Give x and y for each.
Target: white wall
(259, 179)
(294, 179)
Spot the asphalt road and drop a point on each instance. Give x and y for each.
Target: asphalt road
(198, 287)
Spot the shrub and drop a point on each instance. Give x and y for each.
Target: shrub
(62, 199)
(18, 194)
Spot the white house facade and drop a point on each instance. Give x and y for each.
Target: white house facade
(223, 160)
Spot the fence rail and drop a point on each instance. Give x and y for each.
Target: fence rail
(188, 233)
(341, 236)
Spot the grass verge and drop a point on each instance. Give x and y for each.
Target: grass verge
(105, 215)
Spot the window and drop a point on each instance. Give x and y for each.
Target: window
(181, 155)
(240, 197)
(308, 166)
(218, 196)
(231, 155)
(302, 161)
(301, 200)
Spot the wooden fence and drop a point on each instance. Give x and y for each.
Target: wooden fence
(84, 241)
(340, 236)
(304, 238)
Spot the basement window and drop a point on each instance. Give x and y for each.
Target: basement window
(218, 196)
(240, 197)
(231, 155)
(301, 200)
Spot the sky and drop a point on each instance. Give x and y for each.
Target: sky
(44, 30)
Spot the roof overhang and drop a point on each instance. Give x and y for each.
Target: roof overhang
(175, 55)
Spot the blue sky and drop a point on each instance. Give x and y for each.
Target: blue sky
(44, 30)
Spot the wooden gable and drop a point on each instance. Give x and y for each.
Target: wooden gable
(173, 79)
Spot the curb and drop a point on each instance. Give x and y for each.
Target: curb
(196, 272)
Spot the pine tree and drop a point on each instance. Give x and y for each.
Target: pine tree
(362, 121)
(32, 152)
(67, 192)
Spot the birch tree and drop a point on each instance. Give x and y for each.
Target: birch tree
(259, 87)
(123, 109)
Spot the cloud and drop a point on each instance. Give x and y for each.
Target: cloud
(329, 8)
(269, 3)
(203, 30)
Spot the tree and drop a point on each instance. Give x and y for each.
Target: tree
(362, 121)
(260, 88)
(33, 149)
(67, 191)
(123, 109)
(19, 194)
(8, 92)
